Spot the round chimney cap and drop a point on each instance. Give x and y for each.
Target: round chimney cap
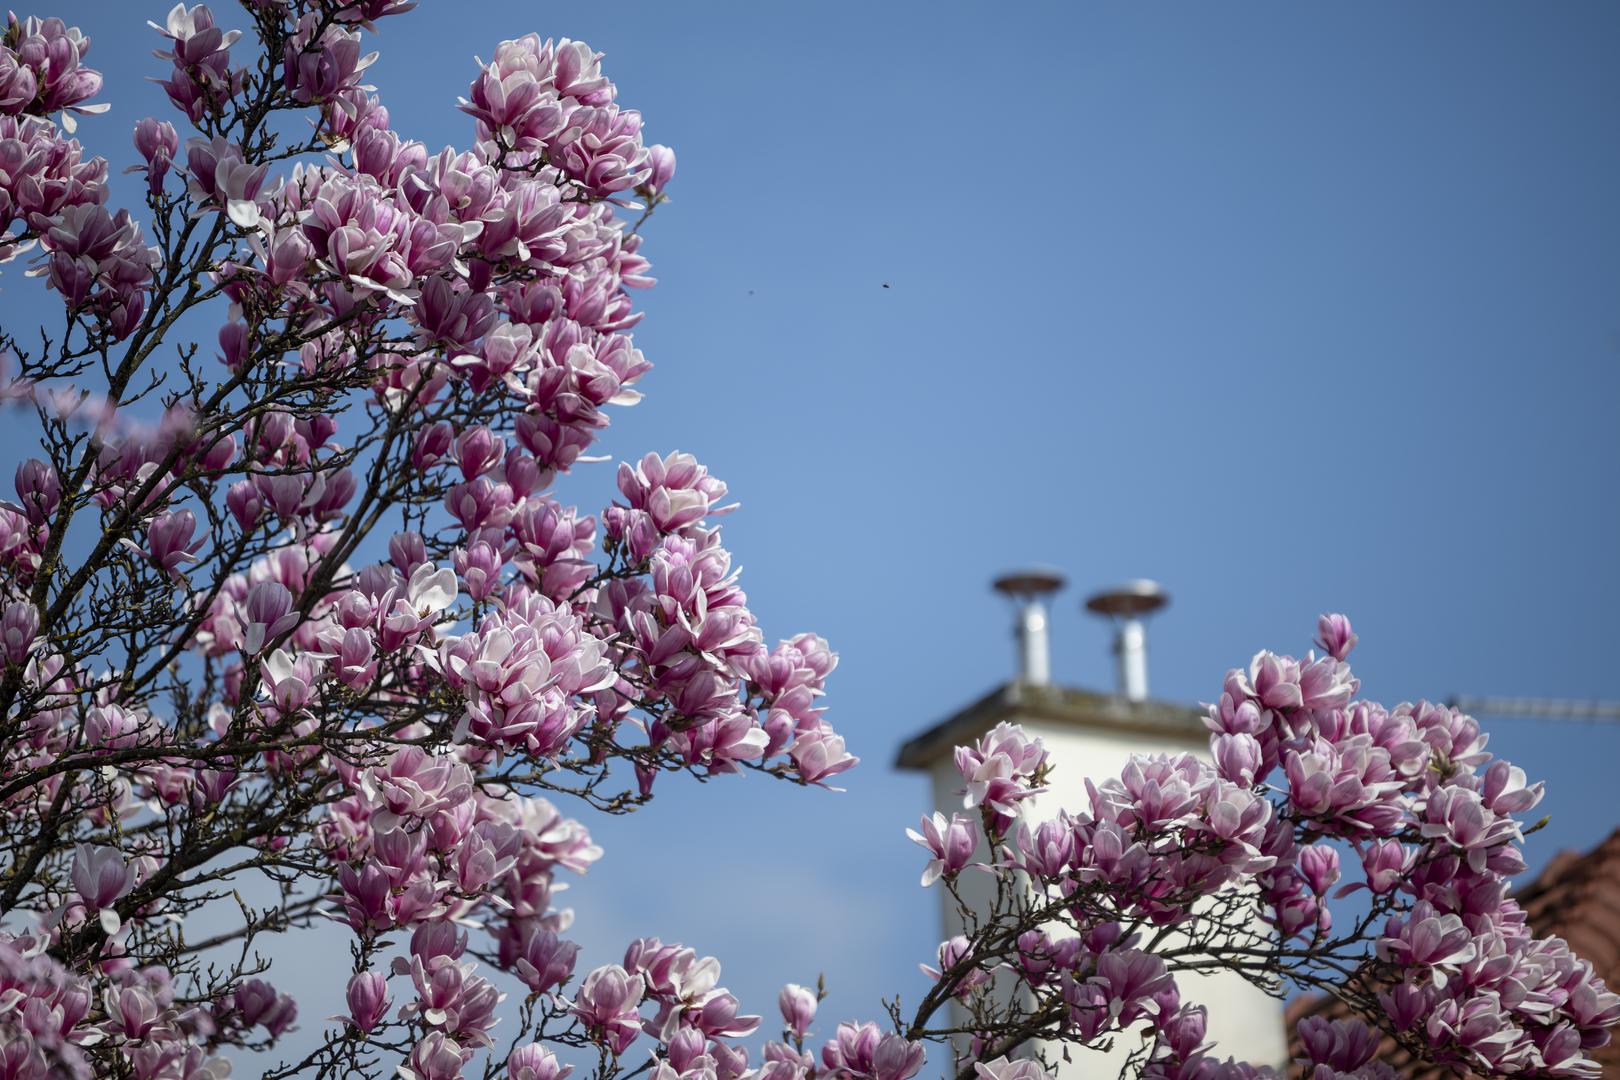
(1030, 582)
(1139, 597)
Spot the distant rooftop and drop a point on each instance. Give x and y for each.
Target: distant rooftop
(1054, 705)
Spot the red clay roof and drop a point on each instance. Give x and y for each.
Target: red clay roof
(1576, 897)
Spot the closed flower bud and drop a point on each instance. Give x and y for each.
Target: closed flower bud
(798, 1005)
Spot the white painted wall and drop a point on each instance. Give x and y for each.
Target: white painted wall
(1244, 1021)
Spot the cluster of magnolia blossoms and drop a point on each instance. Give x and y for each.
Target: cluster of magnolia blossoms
(1300, 772)
(49, 195)
(1434, 821)
(509, 269)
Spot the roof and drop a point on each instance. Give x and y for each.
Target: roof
(1060, 705)
(1575, 897)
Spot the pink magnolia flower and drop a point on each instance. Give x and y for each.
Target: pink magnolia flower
(1040, 958)
(1333, 633)
(1002, 1068)
(512, 102)
(102, 876)
(218, 174)
(607, 1004)
(674, 491)
(202, 80)
(269, 614)
(39, 490)
(321, 64)
(545, 962)
(897, 1058)
(258, 1004)
(1238, 756)
(798, 1007)
(1047, 850)
(819, 754)
(368, 1000)
(1001, 768)
(1385, 863)
(1426, 938)
(1343, 1045)
(951, 953)
(43, 71)
(864, 1053)
(601, 148)
(661, 163)
(1459, 817)
(1319, 865)
(436, 1057)
(157, 143)
(535, 1062)
(194, 36)
(170, 542)
(849, 1053)
(951, 843)
(99, 265)
(1128, 985)
(18, 628)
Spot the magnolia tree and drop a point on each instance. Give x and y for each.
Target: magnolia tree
(295, 629)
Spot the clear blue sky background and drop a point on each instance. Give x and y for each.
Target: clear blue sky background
(1293, 308)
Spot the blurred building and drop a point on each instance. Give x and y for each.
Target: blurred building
(1092, 734)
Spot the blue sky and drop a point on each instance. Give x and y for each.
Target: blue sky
(1294, 308)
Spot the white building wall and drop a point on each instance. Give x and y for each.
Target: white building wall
(1244, 1021)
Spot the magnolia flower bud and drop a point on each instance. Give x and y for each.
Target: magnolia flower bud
(169, 542)
(39, 490)
(219, 454)
(233, 345)
(243, 501)
(546, 962)
(478, 450)
(259, 1005)
(18, 628)
(1237, 757)
(101, 877)
(1319, 866)
(269, 614)
(1333, 633)
(368, 999)
(661, 159)
(407, 551)
(480, 568)
(798, 1005)
(432, 443)
(1384, 863)
(156, 141)
(523, 474)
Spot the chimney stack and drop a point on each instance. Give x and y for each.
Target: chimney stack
(1129, 605)
(1028, 589)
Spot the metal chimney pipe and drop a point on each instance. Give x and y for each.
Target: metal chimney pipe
(1130, 650)
(1129, 605)
(1028, 589)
